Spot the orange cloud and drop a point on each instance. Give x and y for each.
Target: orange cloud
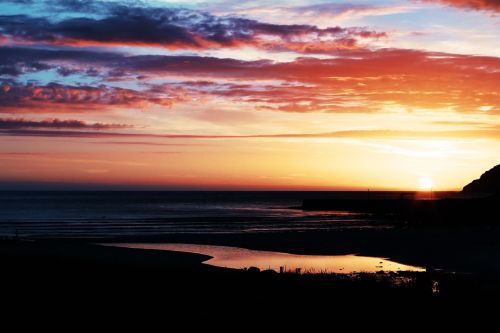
(361, 81)
(357, 80)
(493, 5)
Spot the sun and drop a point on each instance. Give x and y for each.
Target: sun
(425, 184)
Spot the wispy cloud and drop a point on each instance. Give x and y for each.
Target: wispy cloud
(378, 133)
(321, 14)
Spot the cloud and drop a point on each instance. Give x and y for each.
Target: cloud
(60, 98)
(15, 61)
(145, 143)
(321, 14)
(21, 123)
(354, 81)
(347, 134)
(175, 28)
(360, 81)
(489, 5)
(461, 123)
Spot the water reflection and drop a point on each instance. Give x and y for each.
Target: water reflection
(234, 257)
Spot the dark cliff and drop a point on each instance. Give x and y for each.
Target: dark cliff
(489, 182)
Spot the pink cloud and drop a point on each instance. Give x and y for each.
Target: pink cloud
(491, 5)
(61, 98)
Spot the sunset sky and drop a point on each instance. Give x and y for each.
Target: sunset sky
(231, 94)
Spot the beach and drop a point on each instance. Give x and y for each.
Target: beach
(465, 249)
(54, 269)
(83, 268)
(72, 256)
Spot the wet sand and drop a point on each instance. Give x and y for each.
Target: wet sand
(461, 249)
(72, 269)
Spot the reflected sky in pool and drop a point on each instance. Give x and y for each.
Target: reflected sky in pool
(234, 257)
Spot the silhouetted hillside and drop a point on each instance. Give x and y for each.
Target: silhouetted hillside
(489, 182)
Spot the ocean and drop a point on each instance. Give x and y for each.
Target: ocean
(83, 214)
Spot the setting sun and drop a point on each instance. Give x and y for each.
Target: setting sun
(425, 184)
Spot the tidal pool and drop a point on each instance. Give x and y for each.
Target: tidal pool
(235, 257)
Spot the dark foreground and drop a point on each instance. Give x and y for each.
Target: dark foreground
(444, 211)
(75, 272)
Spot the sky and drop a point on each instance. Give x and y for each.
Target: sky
(248, 95)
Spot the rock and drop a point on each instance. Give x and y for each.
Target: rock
(489, 182)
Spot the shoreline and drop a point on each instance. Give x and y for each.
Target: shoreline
(457, 249)
(464, 250)
(77, 266)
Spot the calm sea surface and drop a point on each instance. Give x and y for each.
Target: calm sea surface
(102, 214)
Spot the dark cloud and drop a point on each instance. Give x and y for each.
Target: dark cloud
(29, 54)
(15, 69)
(191, 65)
(66, 71)
(15, 61)
(21, 123)
(17, 98)
(176, 28)
(19, 60)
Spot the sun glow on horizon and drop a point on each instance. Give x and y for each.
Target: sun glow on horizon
(425, 183)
